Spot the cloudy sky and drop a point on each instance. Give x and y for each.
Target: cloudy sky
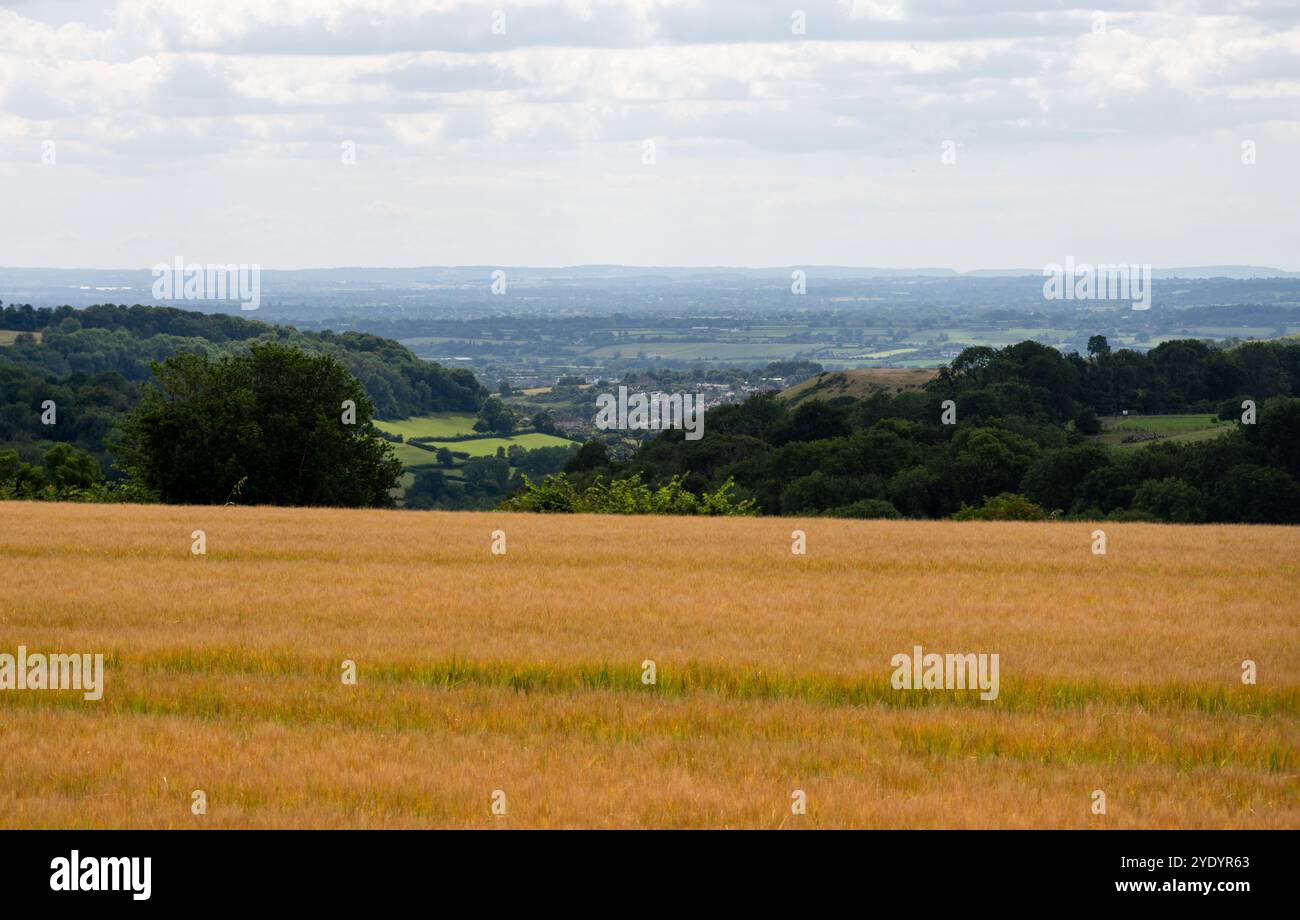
(542, 132)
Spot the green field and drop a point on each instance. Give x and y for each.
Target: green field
(479, 447)
(486, 447)
(1238, 332)
(451, 424)
(1177, 428)
(439, 425)
(890, 353)
(419, 340)
(998, 338)
(7, 336)
(704, 351)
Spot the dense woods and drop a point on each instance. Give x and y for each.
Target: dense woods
(126, 340)
(92, 363)
(1022, 416)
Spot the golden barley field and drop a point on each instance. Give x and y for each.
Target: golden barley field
(521, 674)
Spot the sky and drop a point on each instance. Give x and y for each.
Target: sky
(319, 133)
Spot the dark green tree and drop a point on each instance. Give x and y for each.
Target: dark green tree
(1277, 430)
(1098, 347)
(591, 456)
(266, 427)
(1054, 477)
(1086, 422)
(544, 422)
(497, 417)
(428, 488)
(1258, 495)
(1171, 500)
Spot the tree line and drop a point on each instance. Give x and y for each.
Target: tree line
(127, 341)
(258, 414)
(1020, 438)
(93, 365)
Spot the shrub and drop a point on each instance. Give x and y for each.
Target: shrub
(1086, 422)
(1171, 499)
(1133, 516)
(866, 508)
(624, 496)
(1009, 506)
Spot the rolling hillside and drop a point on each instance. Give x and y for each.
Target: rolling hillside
(455, 426)
(858, 383)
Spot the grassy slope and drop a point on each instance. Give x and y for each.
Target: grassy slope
(1176, 428)
(449, 424)
(439, 425)
(479, 447)
(858, 383)
(522, 672)
(7, 336)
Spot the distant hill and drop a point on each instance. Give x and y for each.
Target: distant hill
(1234, 272)
(92, 363)
(1199, 272)
(55, 286)
(859, 383)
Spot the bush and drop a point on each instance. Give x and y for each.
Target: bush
(1008, 506)
(1133, 516)
(1171, 499)
(866, 508)
(1255, 494)
(1230, 410)
(624, 496)
(1086, 422)
(1057, 474)
(68, 475)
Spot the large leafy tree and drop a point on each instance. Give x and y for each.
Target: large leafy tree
(266, 427)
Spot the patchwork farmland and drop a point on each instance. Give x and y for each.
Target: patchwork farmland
(454, 431)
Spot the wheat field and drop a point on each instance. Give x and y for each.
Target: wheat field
(517, 680)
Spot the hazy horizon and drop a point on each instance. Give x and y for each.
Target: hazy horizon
(900, 271)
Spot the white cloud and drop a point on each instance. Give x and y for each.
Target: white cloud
(754, 126)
